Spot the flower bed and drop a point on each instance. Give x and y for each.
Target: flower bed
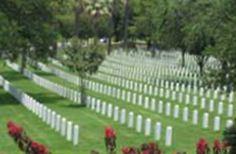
(25, 143)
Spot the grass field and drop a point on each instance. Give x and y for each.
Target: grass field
(92, 124)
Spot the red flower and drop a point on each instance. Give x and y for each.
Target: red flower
(38, 148)
(202, 146)
(14, 130)
(109, 132)
(217, 146)
(129, 150)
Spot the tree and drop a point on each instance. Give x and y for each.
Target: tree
(33, 24)
(198, 37)
(148, 22)
(221, 24)
(175, 17)
(83, 60)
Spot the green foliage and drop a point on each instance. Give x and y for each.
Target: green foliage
(83, 59)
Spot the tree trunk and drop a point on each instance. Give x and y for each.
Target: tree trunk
(109, 45)
(126, 23)
(183, 58)
(23, 62)
(82, 89)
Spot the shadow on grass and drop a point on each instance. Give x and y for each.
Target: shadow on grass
(75, 106)
(12, 76)
(7, 99)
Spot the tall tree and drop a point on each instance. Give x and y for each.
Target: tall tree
(33, 20)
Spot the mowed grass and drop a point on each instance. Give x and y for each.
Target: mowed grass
(10, 109)
(91, 124)
(185, 134)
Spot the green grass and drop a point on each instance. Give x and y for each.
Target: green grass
(181, 129)
(91, 124)
(10, 109)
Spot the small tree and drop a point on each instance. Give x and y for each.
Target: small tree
(83, 60)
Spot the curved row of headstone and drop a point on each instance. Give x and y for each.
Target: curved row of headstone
(139, 123)
(130, 74)
(56, 88)
(132, 61)
(150, 89)
(66, 128)
(109, 111)
(153, 106)
(132, 97)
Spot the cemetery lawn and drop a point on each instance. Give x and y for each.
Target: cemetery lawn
(92, 125)
(37, 130)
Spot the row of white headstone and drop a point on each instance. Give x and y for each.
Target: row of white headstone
(119, 115)
(147, 101)
(71, 94)
(95, 86)
(177, 108)
(161, 83)
(50, 117)
(165, 84)
(142, 66)
(164, 87)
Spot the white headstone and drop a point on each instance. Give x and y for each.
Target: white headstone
(69, 131)
(123, 116)
(211, 106)
(146, 103)
(229, 123)
(168, 109)
(187, 101)
(160, 107)
(195, 117)
(139, 123)
(216, 123)
(220, 108)
(76, 135)
(58, 123)
(176, 111)
(230, 110)
(153, 104)
(131, 120)
(103, 108)
(158, 131)
(147, 127)
(49, 113)
(63, 127)
(116, 113)
(98, 105)
(205, 120)
(203, 103)
(185, 114)
(109, 111)
(168, 140)
(53, 121)
(180, 97)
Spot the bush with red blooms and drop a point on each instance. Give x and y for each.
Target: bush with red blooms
(14, 130)
(37, 148)
(151, 148)
(202, 147)
(23, 141)
(110, 139)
